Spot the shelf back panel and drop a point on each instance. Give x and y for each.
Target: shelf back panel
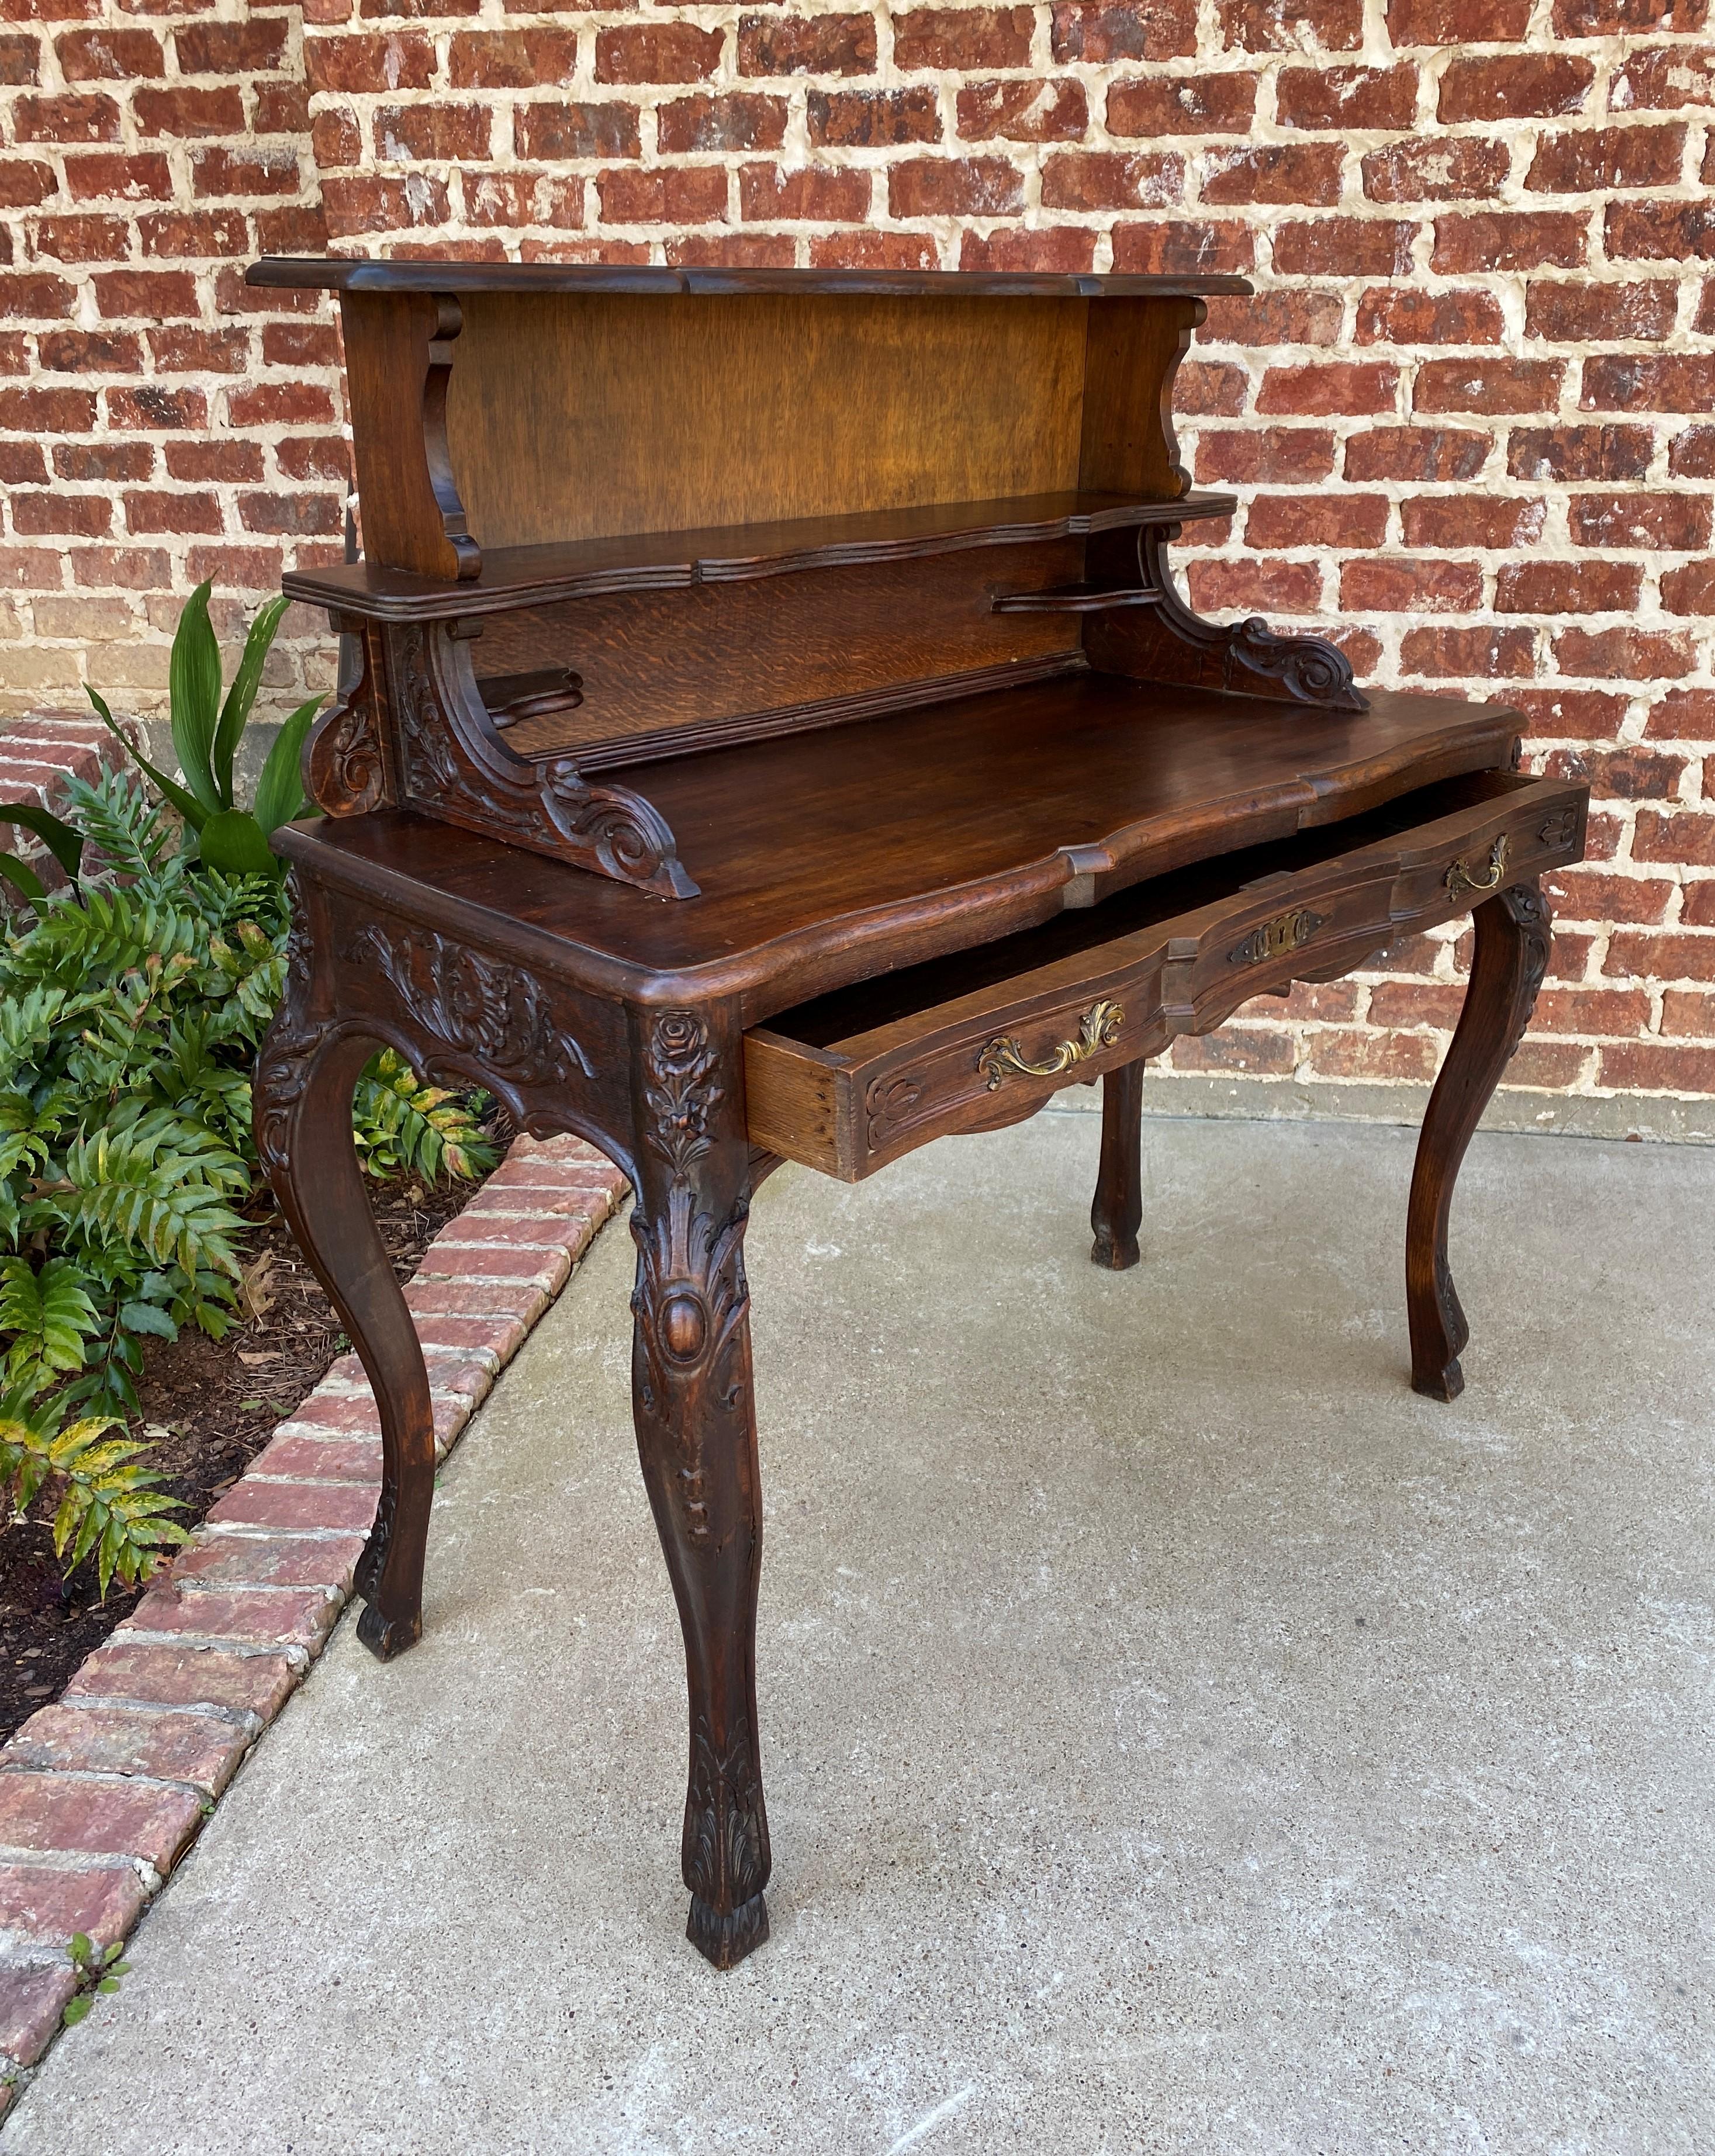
(690, 660)
(574, 417)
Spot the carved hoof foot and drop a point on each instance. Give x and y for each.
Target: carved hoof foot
(726, 1940)
(388, 1636)
(1440, 1384)
(1114, 1257)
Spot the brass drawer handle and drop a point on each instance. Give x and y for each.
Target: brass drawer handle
(1098, 1028)
(1459, 878)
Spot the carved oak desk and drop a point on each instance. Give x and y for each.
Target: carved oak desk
(774, 734)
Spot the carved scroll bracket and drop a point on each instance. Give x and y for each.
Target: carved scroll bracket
(1167, 642)
(347, 769)
(456, 766)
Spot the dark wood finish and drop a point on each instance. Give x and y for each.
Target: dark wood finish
(851, 1080)
(1117, 1209)
(399, 359)
(836, 610)
(548, 574)
(324, 274)
(1514, 931)
(691, 1395)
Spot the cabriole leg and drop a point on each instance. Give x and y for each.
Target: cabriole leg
(1118, 1206)
(1512, 937)
(303, 1120)
(696, 1439)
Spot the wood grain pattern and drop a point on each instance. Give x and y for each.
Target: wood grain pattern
(825, 856)
(571, 416)
(689, 660)
(1133, 352)
(397, 358)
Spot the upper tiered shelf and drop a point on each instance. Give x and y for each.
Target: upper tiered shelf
(663, 561)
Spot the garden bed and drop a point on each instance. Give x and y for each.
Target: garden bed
(209, 1407)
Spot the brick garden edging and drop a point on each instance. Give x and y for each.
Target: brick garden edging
(101, 1794)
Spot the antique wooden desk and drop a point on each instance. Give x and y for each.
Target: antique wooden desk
(775, 736)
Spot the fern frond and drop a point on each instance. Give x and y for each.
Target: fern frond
(157, 1187)
(133, 833)
(50, 1316)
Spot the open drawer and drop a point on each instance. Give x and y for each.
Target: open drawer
(983, 1037)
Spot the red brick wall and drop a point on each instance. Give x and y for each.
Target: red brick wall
(1470, 413)
(156, 424)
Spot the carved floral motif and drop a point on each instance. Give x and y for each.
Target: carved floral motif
(496, 1013)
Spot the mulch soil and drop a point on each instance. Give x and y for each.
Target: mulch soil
(209, 1406)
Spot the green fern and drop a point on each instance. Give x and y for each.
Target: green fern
(50, 1317)
(403, 1126)
(133, 836)
(111, 1506)
(159, 1187)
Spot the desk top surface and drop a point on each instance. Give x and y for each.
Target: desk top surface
(828, 856)
(328, 274)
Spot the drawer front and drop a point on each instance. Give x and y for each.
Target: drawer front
(963, 1071)
(996, 1056)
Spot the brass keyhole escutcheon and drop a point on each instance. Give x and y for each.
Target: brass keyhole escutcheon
(1098, 1028)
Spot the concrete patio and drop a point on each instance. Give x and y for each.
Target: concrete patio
(1179, 1737)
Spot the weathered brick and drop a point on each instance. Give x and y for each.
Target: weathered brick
(1502, 87)
(1589, 160)
(48, 1903)
(1576, 312)
(1487, 385)
(1204, 104)
(150, 1821)
(1337, 386)
(32, 2001)
(1392, 314)
(1666, 381)
(606, 129)
(874, 119)
(1299, 173)
(1275, 455)
(1456, 167)
(1595, 586)
(1105, 31)
(657, 52)
(1105, 179)
(952, 186)
(1337, 99)
(201, 1749)
(1508, 239)
(766, 192)
(1017, 111)
(272, 1560)
(1434, 453)
(1481, 655)
(786, 44)
(127, 1668)
(1469, 518)
(266, 1616)
(1380, 585)
(961, 37)
(326, 1506)
(1343, 247)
